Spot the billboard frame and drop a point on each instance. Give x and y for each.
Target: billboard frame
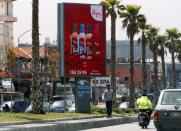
(61, 40)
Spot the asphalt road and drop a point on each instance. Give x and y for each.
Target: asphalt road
(125, 127)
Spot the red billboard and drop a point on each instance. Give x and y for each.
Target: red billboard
(84, 39)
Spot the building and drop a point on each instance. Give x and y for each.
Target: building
(122, 72)
(23, 69)
(6, 28)
(122, 50)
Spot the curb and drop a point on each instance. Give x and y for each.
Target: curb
(71, 125)
(97, 123)
(46, 121)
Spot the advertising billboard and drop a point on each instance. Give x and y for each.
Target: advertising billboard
(82, 39)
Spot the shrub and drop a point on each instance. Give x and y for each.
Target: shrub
(98, 110)
(116, 110)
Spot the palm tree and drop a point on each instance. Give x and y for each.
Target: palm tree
(131, 18)
(179, 56)
(37, 99)
(112, 7)
(179, 51)
(160, 40)
(143, 40)
(173, 36)
(151, 34)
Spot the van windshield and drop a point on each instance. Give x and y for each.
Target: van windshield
(171, 98)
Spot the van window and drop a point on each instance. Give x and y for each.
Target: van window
(171, 98)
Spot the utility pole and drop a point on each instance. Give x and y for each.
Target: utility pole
(18, 67)
(45, 69)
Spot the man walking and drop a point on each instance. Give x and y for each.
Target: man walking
(108, 96)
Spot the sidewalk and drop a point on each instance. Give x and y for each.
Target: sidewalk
(66, 124)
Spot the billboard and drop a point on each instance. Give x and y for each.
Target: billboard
(82, 39)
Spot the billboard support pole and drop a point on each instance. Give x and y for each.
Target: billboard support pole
(75, 94)
(65, 94)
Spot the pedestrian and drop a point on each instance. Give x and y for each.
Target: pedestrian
(108, 96)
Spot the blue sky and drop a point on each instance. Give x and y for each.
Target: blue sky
(161, 13)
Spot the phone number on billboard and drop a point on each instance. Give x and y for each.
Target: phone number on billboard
(78, 72)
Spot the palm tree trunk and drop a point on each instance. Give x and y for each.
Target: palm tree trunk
(131, 69)
(156, 91)
(113, 53)
(163, 68)
(37, 101)
(173, 69)
(144, 70)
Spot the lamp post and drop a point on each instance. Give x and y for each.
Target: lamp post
(19, 56)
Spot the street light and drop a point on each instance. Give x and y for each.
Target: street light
(19, 56)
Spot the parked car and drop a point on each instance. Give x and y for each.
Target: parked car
(20, 106)
(68, 96)
(59, 106)
(124, 105)
(124, 98)
(4, 103)
(45, 107)
(17, 106)
(72, 108)
(101, 105)
(167, 114)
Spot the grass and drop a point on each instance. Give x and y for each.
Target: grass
(25, 117)
(18, 117)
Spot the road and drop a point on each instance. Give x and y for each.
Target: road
(124, 127)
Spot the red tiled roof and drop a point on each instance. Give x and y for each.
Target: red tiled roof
(18, 52)
(27, 52)
(6, 74)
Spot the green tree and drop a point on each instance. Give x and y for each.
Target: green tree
(10, 58)
(173, 36)
(179, 51)
(53, 65)
(112, 8)
(143, 40)
(37, 96)
(151, 34)
(131, 17)
(160, 40)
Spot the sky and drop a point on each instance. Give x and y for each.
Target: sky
(160, 13)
